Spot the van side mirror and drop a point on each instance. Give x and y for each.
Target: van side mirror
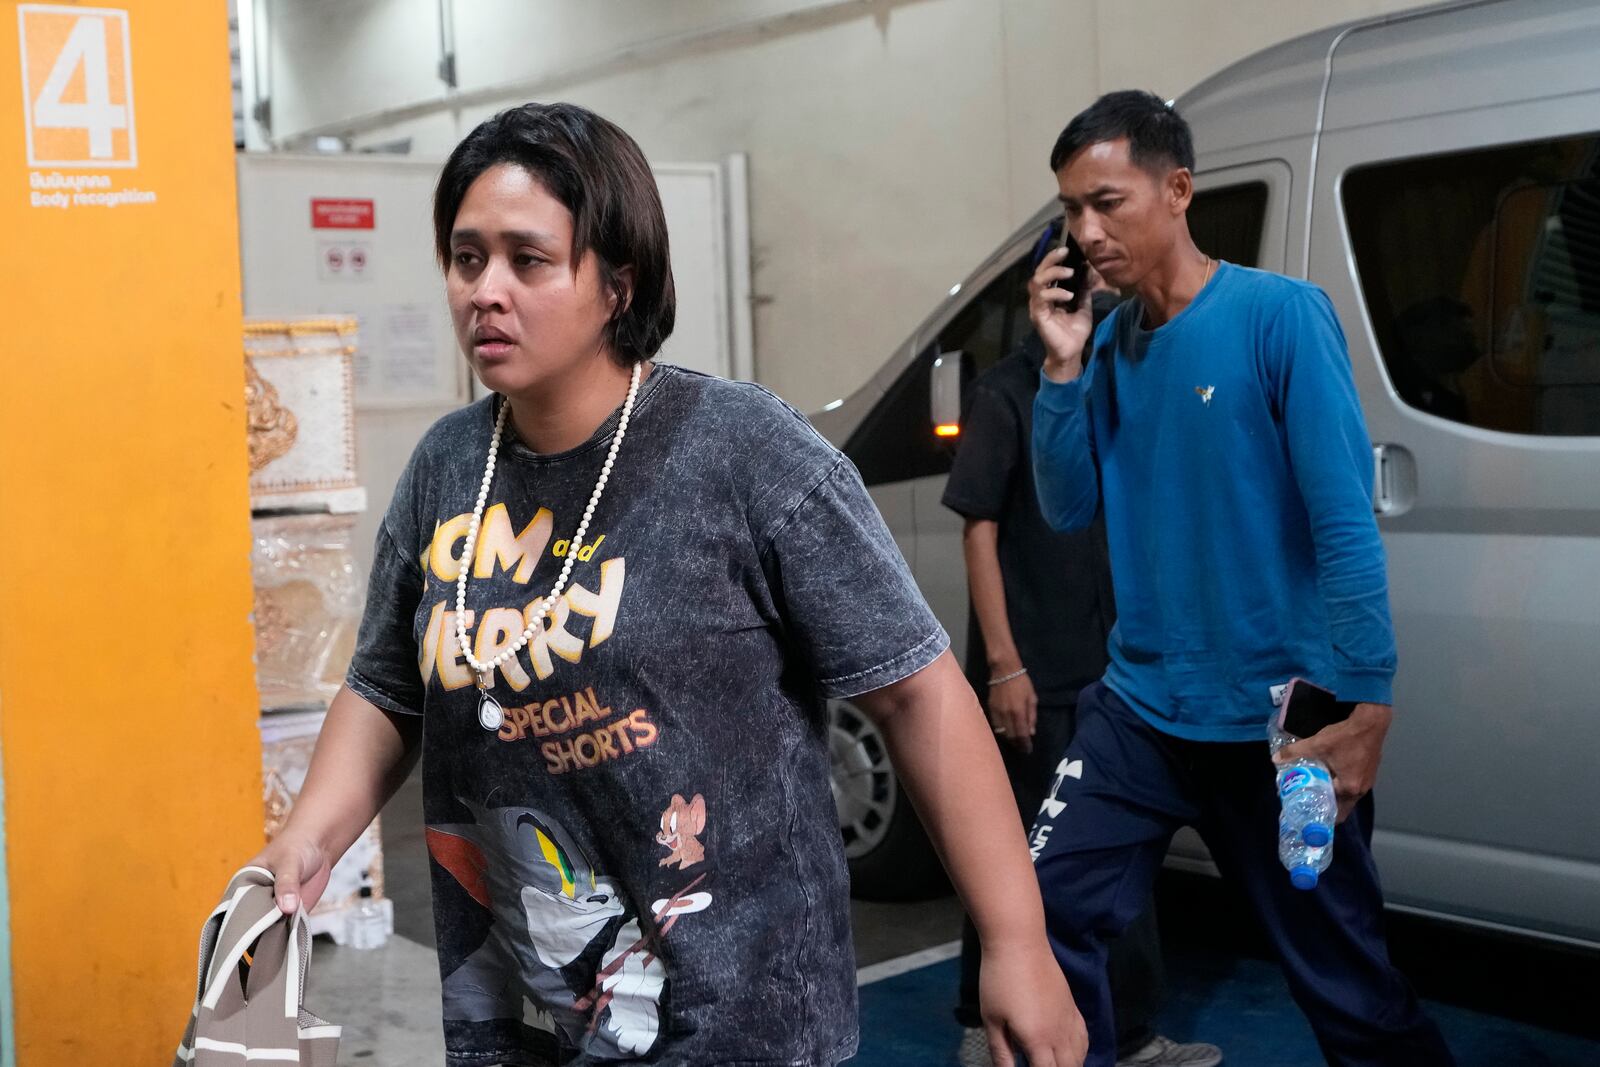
(944, 394)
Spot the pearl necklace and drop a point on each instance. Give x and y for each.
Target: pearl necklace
(490, 714)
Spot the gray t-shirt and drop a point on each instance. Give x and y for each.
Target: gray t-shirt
(643, 864)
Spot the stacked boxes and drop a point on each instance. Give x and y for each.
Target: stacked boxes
(305, 498)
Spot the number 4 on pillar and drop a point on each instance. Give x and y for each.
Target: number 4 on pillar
(78, 73)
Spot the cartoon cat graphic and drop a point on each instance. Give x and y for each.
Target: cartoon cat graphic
(681, 824)
(565, 948)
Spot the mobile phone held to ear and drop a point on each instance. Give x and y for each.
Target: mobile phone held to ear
(1308, 708)
(1076, 262)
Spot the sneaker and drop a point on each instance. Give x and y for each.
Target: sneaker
(974, 1050)
(1164, 1052)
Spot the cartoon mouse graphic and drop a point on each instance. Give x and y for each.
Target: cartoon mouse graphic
(680, 824)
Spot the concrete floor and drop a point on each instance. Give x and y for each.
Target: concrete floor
(386, 999)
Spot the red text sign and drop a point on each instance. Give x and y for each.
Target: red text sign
(341, 214)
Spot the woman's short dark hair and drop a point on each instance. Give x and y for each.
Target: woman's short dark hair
(600, 175)
(1158, 138)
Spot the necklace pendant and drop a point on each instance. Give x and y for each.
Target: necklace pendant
(491, 716)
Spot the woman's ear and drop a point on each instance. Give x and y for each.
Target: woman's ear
(622, 291)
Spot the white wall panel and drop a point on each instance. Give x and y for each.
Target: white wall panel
(891, 143)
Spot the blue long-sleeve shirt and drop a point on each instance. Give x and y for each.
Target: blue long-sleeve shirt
(1229, 454)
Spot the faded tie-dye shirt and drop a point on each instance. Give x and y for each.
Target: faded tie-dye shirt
(643, 863)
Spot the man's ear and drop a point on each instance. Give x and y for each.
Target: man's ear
(1179, 190)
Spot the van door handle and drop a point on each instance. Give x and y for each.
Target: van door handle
(1394, 480)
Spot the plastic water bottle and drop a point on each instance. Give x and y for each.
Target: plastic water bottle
(365, 926)
(1309, 809)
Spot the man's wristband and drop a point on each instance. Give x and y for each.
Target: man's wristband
(1004, 678)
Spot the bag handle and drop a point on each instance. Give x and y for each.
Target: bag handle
(234, 1022)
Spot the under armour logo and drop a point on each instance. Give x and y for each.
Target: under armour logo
(1064, 770)
(1205, 392)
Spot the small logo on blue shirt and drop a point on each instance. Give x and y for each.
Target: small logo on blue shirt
(1205, 392)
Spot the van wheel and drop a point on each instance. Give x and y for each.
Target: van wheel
(889, 853)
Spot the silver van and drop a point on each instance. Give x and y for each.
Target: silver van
(1438, 173)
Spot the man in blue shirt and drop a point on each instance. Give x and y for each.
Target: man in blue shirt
(1216, 427)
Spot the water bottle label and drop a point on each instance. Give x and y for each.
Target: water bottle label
(1294, 779)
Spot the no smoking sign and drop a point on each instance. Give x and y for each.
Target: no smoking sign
(344, 261)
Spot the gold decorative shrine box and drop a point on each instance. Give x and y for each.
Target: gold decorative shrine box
(300, 405)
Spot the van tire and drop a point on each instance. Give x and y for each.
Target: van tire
(888, 851)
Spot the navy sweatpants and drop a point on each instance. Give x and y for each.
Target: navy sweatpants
(1121, 792)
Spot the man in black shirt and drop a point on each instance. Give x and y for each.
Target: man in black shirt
(1043, 606)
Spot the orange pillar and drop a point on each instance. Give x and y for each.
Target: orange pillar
(127, 692)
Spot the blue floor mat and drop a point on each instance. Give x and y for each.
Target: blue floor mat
(1239, 1004)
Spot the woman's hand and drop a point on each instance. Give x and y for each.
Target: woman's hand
(1028, 1008)
(300, 870)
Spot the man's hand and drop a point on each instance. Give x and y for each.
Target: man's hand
(1351, 750)
(1027, 1007)
(1014, 710)
(1063, 332)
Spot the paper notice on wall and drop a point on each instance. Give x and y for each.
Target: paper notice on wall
(405, 355)
(410, 347)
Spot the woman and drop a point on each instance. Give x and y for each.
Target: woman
(628, 587)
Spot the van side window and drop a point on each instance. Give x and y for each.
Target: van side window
(896, 443)
(1227, 223)
(990, 326)
(1481, 275)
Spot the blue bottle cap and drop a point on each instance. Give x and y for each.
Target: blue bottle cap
(1303, 877)
(1316, 835)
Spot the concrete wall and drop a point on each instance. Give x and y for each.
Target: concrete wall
(892, 143)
